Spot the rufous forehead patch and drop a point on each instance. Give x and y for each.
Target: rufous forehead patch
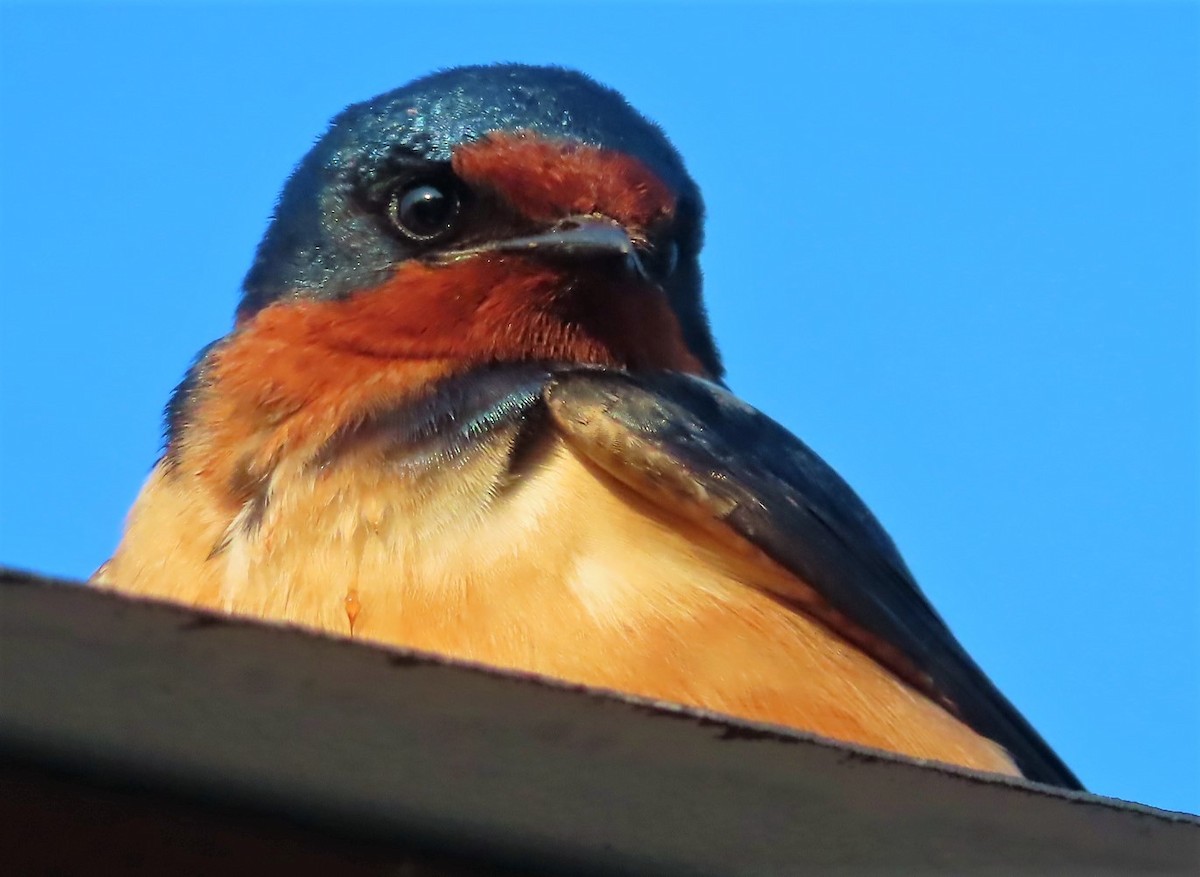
(548, 179)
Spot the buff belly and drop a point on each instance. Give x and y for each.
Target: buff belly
(564, 573)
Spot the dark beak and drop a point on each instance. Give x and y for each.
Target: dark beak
(574, 238)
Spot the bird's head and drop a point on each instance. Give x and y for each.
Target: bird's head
(491, 214)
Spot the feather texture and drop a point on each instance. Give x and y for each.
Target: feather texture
(408, 533)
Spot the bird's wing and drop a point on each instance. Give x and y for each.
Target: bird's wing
(697, 450)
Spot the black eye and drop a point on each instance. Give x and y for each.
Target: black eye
(425, 210)
(660, 260)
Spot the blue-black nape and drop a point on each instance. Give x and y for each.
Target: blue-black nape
(323, 242)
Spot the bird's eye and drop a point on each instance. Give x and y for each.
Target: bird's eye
(425, 210)
(660, 260)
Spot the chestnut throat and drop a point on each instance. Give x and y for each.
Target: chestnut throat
(310, 376)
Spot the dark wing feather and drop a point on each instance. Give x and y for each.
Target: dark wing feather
(677, 436)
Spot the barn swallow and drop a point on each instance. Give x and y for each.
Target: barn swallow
(471, 404)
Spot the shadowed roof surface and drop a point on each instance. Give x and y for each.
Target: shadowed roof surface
(386, 751)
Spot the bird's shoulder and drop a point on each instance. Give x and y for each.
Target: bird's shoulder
(692, 446)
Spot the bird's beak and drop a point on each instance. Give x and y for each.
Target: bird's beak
(574, 238)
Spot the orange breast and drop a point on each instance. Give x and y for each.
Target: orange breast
(570, 575)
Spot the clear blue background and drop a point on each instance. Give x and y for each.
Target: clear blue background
(952, 247)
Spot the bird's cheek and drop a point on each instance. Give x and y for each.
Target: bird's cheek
(473, 310)
(413, 314)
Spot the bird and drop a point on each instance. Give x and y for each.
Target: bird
(471, 404)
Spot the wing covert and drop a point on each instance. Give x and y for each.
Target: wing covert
(691, 446)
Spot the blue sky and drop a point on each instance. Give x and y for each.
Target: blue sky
(953, 247)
